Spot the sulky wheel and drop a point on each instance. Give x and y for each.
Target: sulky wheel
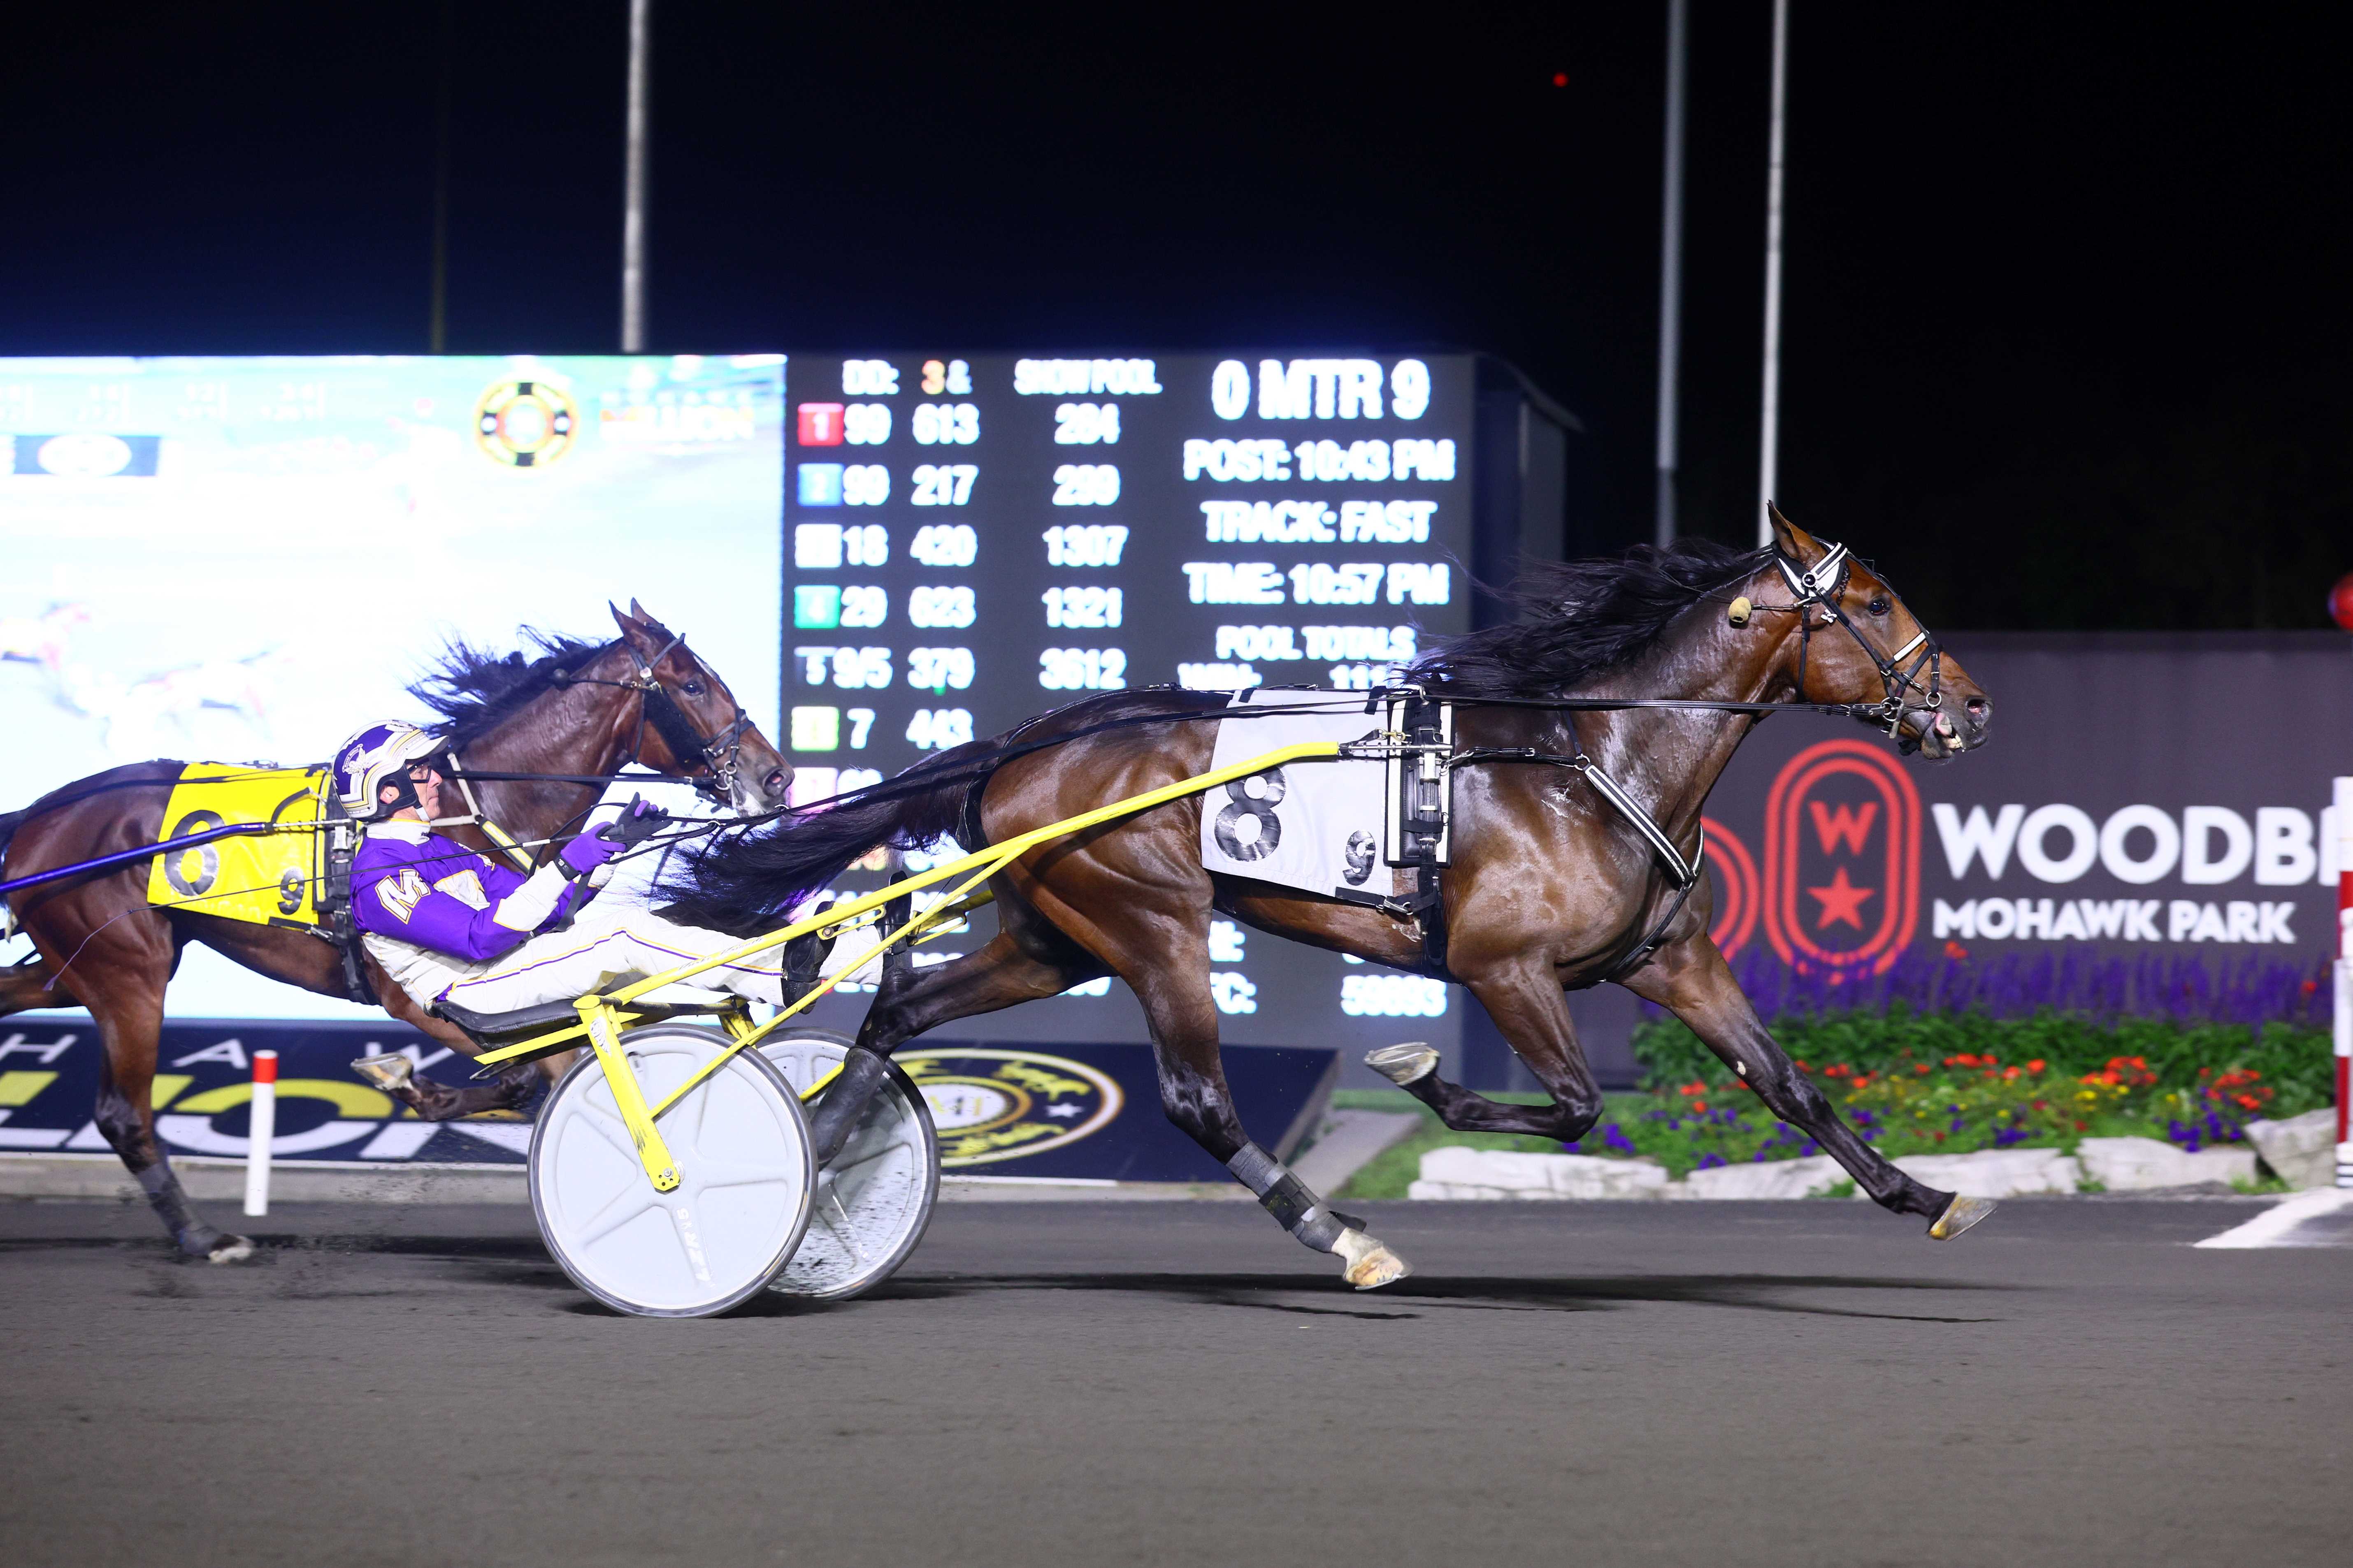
(746, 1180)
(875, 1200)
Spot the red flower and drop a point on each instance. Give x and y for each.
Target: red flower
(2037, 1065)
(1957, 952)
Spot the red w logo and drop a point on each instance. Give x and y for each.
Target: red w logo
(1850, 825)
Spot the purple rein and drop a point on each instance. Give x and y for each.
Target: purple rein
(125, 857)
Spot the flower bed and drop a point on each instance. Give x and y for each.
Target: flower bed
(1952, 1059)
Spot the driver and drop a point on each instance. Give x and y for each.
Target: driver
(449, 924)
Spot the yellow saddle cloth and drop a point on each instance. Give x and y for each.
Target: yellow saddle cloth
(270, 879)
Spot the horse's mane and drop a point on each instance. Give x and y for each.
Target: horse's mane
(475, 692)
(1579, 618)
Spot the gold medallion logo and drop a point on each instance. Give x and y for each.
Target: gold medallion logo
(997, 1104)
(525, 423)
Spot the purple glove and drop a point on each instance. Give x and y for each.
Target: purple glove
(585, 854)
(634, 826)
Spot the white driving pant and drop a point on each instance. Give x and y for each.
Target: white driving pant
(596, 955)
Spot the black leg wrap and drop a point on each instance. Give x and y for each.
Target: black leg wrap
(1287, 1198)
(171, 1205)
(844, 1101)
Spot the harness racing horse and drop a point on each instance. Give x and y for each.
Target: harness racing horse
(1551, 888)
(579, 712)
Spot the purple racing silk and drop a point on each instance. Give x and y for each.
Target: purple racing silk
(411, 884)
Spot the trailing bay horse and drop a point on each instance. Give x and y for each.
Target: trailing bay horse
(580, 709)
(1551, 889)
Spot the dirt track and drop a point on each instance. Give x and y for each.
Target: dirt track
(1143, 1384)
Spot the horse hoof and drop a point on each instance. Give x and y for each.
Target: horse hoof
(202, 1242)
(1958, 1215)
(389, 1071)
(1371, 1264)
(1402, 1065)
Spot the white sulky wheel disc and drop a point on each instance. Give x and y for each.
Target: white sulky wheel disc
(745, 1178)
(875, 1199)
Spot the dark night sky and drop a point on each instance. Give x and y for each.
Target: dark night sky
(2067, 310)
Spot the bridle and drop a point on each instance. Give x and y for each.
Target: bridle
(718, 755)
(1821, 584)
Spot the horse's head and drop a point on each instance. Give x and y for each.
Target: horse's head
(1856, 643)
(694, 727)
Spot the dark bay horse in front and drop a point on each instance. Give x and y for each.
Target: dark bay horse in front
(1550, 890)
(581, 709)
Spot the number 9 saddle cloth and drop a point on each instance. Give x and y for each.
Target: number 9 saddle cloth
(270, 879)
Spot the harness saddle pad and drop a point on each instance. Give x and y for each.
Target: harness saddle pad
(1314, 825)
(269, 879)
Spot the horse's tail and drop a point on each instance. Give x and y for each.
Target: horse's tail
(740, 882)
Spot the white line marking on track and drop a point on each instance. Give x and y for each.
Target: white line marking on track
(2276, 1227)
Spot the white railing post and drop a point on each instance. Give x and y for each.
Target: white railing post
(2344, 974)
(265, 1127)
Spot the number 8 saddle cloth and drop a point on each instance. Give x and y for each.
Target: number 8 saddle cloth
(1316, 824)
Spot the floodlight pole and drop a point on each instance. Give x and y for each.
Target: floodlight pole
(633, 214)
(437, 324)
(1670, 267)
(1770, 441)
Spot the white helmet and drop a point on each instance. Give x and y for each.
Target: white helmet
(378, 755)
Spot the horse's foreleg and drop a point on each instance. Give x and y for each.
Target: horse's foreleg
(1691, 978)
(1527, 1006)
(432, 1099)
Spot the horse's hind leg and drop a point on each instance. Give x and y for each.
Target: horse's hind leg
(1182, 1015)
(1152, 930)
(32, 984)
(121, 970)
(1691, 978)
(1002, 973)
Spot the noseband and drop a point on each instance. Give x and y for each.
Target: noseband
(1821, 585)
(718, 755)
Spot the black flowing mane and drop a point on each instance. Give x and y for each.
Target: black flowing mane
(1580, 618)
(475, 692)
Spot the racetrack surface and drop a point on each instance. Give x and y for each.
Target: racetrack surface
(1075, 1385)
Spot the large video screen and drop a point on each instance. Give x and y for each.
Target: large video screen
(240, 559)
(974, 539)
